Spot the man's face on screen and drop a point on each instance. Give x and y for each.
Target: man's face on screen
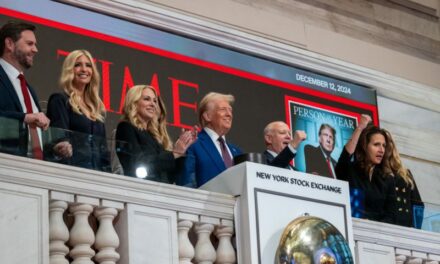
(326, 139)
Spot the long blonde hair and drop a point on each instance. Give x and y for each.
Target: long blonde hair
(94, 107)
(396, 164)
(157, 126)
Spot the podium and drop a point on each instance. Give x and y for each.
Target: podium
(269, 198)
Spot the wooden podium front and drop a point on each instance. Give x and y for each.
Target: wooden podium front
(269, 198)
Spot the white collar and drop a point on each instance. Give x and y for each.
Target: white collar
(10, 70)
(212, 134)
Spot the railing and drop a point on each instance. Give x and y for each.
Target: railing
(55, 213)
(87, 216)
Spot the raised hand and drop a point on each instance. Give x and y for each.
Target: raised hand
(298, 137)
(363, 123)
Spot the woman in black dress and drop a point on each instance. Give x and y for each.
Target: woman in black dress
(368, 173)
(409, 210)
(148, 152)
(79, 110)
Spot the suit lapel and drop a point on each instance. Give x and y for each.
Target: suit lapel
(209, 147)
(9, 88)
(269, 156)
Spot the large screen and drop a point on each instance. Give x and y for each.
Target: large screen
(184, 69)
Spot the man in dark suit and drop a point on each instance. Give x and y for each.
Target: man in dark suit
(210, 154)
(318, 159)
(19, 111)
(280, 146)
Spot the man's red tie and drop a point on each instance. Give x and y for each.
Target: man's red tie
(225, 154)
(35, 140)
(330, 167)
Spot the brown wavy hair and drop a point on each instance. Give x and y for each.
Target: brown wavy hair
(396, 164)
(361, 152)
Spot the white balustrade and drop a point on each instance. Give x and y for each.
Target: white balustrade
(198, 212)
(415, 261)
(225, 250)
(58, 233)
(107, 239)
(81, 235)
(400, 259)
(186, 249)
(204, 251)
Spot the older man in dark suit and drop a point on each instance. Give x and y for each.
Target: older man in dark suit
(280, 146)
(19, 106)
(210, 154)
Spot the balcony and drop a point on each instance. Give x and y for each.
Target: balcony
(53, 213)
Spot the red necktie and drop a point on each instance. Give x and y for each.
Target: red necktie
(225, 154)
(330, 167)
(35, 140)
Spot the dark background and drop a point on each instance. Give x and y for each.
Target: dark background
(257, 103)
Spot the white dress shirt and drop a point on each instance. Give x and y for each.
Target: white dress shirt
(214, 137)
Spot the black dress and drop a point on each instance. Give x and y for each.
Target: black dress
(409, 204)
(136, 148)
(375, 199)
(88, 138)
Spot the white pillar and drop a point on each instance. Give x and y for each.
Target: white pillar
(58, 233)
(205, 251)
(225, 250)
(107, 239)
(81, 235)
(186, 249)
(400, 259)
(415, 261)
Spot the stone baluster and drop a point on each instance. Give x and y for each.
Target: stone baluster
(415, 261)
(400, 259)
(107, 239)
(81, 234)
(58, 233)
(204, 251)
(225, 250)
(186, 249)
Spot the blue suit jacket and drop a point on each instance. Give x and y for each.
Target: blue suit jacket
(13, 133)
(203, 162)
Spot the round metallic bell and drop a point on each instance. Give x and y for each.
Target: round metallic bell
(312, 240)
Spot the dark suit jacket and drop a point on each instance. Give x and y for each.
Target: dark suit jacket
(375, 199)
(316, 162)
(203, 162)
(88, 137)
(13, 134)
(410, 206)
(282, 160)
(137, 147)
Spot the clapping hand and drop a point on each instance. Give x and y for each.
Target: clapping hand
(186, 138)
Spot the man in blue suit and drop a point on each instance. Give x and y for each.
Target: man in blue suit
(210, 154)
(19, 112)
